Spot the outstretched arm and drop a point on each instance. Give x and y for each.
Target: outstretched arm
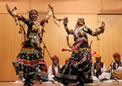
(11, 11)
(48, 16)
(98, 31)
(13, 14)
(65, 22)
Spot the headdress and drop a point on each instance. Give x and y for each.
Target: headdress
(116, 54)
(98, 56)
(54, 57)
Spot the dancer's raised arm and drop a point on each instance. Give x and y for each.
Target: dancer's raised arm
(46, 18)
(15, 15)
(65, 22)
(98, 30)
(11, 11)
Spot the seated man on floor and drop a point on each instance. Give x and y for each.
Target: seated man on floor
(54, 68)
(116, 67)
(99, 68)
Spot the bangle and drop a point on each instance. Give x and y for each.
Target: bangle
(50, 13)
(13, 14)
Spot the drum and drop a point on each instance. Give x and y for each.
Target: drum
(117, 74)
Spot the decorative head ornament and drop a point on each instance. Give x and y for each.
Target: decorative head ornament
(81, 18)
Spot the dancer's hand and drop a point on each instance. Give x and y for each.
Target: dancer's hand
(101, 28)
(8, 9)
(50, 7)
(103, 25)
(11, 12)
(65, 22)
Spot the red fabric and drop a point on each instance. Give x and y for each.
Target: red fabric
(26, 62)
(74, 48)
(44, 67)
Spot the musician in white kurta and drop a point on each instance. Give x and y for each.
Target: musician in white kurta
(54, 68)
(99, 72)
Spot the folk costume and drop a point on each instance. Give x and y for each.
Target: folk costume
(29, 62)
(54, 68)
(78, 67)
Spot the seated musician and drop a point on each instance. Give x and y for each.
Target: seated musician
(54, 68)
(116, 67)
(99, 67)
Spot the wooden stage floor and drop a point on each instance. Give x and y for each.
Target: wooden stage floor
(57, 84)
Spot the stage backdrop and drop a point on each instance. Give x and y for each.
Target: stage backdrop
(55, 39)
